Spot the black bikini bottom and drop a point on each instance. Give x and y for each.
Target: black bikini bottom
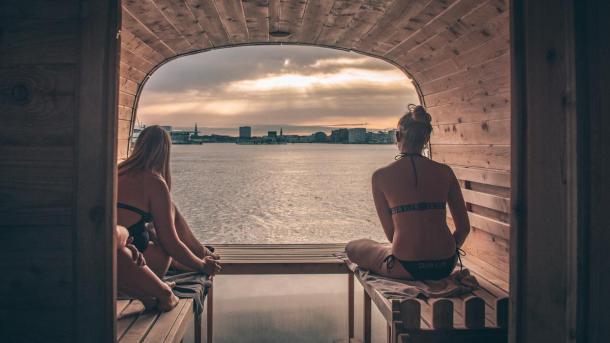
(427, 270)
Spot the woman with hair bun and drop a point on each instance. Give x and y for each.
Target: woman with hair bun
(410, 196)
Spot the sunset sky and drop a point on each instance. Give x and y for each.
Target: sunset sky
(302, 89)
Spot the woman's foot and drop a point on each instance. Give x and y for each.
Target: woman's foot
(167, 303)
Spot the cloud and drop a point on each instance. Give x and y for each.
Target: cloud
(267, 85)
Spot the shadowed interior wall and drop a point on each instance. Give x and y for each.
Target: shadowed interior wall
(457, 51)
(58, 90)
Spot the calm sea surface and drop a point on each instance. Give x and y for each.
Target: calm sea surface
(294, 193)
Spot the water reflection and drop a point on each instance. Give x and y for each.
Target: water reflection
(286, 308)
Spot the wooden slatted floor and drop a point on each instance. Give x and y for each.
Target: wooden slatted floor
(136, 325)
(281, 259)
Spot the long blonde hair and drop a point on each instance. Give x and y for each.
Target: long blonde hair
(150, 153)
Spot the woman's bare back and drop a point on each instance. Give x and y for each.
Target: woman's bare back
(420, 230)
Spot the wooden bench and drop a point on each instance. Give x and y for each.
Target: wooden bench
(481, 316)
(136, 325)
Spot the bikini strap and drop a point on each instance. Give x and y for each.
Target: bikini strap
(145, 216)
(410, 155)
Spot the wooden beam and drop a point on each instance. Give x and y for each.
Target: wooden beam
(369, 12)
(95, 171)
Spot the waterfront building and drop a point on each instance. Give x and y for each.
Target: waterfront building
(392, 136)
(180, 137)
(167, 128)
(319, 137)
(272, 134)
(245, 132)
(356, 135)
(339, 136)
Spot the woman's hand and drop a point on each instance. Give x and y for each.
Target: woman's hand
(136, 255)
(208, 252)
(210, 266)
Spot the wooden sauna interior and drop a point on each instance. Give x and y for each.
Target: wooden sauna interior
(528, 152)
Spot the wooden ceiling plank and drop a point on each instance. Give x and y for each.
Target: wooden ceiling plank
(382, 36)
(369, 13)
(132, 73)
(182, 18)
(491, 87)
(315, 16)
(137, 46)
(136, 28)
(450, 16)
(256, 13)
(274, 18)
(292, 12)
(148, 14)
(232, 16)
(449, 43)
(207, 17)
(490, 69)
(136, 61)
(337, 21)
(431, 11)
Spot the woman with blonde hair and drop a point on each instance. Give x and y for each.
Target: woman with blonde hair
(144, 201)
(410, 196)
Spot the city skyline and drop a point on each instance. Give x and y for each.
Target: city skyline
(300, 88)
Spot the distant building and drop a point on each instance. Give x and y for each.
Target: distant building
(180, 137)
(272, 134)
(245, 132)
(357, 135)
(392, 136)
(167, 128)
(339, 136)
(320, 137)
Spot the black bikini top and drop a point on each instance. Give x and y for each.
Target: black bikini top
(138, 230)
(420, 206)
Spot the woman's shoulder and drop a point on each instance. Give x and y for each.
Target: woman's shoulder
(146, 179)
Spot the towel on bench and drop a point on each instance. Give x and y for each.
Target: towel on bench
(190, 285)
(458, 283)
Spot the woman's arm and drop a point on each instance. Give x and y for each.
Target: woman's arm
(163, 215)
(186, 235)
(458, 211)
(383, 209)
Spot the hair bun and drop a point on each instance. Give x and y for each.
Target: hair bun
(419, 113)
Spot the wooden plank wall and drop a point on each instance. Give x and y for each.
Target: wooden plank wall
(57, 143)
(464, 77)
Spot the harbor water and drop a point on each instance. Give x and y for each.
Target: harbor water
(293, 193)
